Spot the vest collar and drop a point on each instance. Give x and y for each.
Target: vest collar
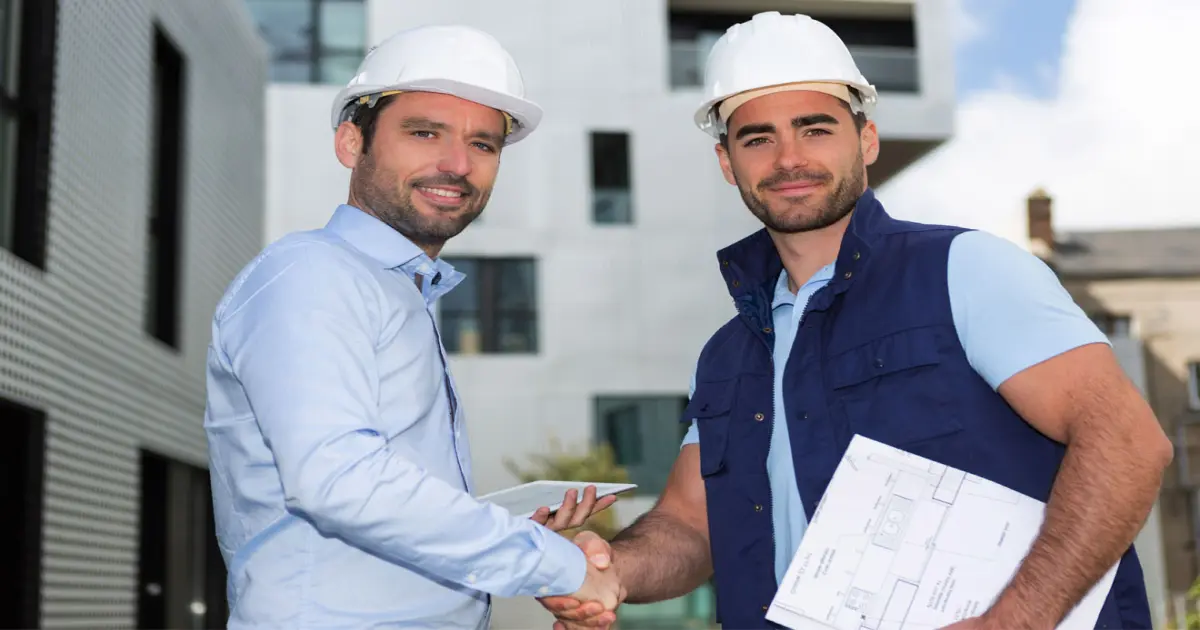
(751, 266)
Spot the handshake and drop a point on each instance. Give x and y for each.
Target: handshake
(594, 604)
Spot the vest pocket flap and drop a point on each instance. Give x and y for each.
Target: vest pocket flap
(710, 406)
(714, 435)
(887, 355)
(710, 400)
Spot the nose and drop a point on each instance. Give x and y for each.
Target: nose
(789, 155)
(455, 160)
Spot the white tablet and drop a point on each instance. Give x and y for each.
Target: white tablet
(525, 499)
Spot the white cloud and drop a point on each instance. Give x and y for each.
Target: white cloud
(1116, 146)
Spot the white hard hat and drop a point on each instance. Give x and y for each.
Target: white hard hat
(456, 60)
(772, 52)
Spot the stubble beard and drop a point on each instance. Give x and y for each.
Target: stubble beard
(828, 211)
(376, 191)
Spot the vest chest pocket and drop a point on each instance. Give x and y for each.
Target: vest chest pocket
(710, 407)
(892, 388)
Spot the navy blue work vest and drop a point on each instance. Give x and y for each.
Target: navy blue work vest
(875, 354)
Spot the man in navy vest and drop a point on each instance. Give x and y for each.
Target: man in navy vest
(949, 343)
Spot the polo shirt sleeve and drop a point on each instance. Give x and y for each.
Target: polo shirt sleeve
(693, 434)
(1010, 309)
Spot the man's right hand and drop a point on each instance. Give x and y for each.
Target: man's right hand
(594, 605)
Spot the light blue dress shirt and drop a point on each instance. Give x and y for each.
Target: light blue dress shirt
(340, 467)
(1010, 312)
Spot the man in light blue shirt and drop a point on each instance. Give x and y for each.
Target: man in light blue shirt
(340, 467)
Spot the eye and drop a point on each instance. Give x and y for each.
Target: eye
(817, 131)
(755, 141)
(421, 133)
(483, 146)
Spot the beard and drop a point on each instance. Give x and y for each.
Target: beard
(810, 212)
(376, 190)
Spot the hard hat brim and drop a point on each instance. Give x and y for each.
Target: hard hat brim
(527, 114)
(706, 115)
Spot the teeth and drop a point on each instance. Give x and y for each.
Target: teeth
(442, 193)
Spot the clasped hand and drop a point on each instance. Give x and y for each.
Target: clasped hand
(594, 605)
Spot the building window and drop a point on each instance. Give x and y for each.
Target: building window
(27, 33)
(163, 240)
(884, 49)
(1193, 383)
(493, 310)
(1119, 326)
(644, 433)
(22, 464)
(312, 41)
(612, 195)
(181, 573)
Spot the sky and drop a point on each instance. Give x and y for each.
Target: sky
(1096, 103)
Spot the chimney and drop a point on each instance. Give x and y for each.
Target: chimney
(1041, 223)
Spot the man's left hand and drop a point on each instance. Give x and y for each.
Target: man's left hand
(573, 513)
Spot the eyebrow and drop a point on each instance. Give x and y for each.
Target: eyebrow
(798, 122)
(421, 122)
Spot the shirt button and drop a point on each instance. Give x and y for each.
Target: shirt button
(757, 508)
(471, 578)
(764, 608)
(847, 275)
(767, 330)
(878, 363)
(544, 590)
(857, 255)
(759, 417)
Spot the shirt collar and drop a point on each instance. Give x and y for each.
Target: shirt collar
(784, 295)
(393, 250)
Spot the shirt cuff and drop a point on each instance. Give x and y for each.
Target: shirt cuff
(562, 570)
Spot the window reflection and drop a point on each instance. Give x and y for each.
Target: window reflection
(312, 41)
(493, 310)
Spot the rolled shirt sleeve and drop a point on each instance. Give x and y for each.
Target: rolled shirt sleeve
(302, 341)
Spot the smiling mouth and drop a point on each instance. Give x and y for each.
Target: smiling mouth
(442, 196)
(448, 193)
(793, 188)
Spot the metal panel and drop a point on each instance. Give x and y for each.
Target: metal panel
(72, 339)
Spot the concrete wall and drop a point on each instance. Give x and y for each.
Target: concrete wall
(72, 342)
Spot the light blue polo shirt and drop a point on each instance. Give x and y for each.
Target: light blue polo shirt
(1010, 311)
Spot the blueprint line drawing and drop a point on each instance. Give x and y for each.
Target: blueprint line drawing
(900, 542)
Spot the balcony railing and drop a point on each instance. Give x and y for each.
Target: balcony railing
(889, 69)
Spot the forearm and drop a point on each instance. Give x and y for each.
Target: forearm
(1103, 492)
(661, 557)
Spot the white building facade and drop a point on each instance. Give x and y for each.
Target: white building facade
(593, 280)
(131, 191)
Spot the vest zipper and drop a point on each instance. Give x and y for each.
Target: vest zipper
(770, 494)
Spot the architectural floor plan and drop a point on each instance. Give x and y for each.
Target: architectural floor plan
(903, 543)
